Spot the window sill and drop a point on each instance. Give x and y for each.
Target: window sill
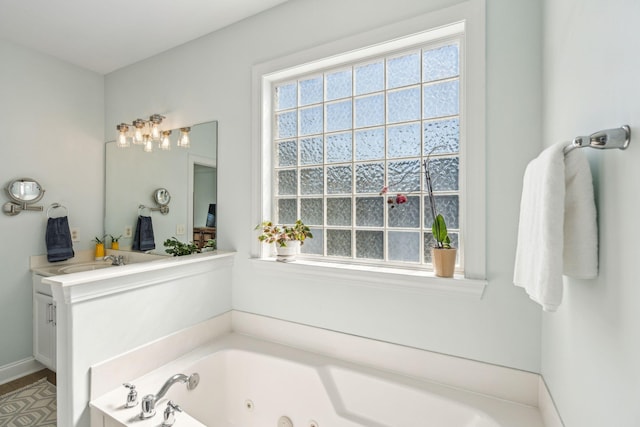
(375, 277)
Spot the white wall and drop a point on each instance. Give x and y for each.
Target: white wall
(210, 78)
(51, 116)
(591, 346)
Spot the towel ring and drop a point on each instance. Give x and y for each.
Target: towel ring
(141, 209)
(56, 206)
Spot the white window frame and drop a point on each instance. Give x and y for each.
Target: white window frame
(440, 24)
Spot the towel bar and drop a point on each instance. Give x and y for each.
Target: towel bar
(604, 139)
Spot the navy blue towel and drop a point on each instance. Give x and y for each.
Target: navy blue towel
(58, 240)
(143, 240)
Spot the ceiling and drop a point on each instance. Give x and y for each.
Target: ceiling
(104, 35)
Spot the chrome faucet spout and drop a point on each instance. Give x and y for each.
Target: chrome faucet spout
(182, 378)
(149, 401)
(115, 260)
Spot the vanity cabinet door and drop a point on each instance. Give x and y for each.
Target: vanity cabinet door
(44, 333)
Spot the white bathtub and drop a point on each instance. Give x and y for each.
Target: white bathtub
(246, 382)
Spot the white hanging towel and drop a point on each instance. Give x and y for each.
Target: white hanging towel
(557, 233)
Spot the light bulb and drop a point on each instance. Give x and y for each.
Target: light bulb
(138, 132)
(155, 121)
(155, 132)
(148, 144)
(165, 144)
(184, 141)
(123, 140)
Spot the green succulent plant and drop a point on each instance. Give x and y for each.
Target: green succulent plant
(177, 248)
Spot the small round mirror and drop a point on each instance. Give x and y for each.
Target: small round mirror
(162, 196)
(25, 190)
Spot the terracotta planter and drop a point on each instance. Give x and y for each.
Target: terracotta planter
(288, 253)
(444, 261)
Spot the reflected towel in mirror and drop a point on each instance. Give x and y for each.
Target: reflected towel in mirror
(144, 240)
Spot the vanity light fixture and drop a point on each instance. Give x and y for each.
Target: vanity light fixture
(147, 143)
(184, 140)
(165, 143)
(138, 133)
(154, 122)
(123, 139)
(146, 132)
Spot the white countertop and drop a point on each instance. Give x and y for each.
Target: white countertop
(39, 264)
(75, 286)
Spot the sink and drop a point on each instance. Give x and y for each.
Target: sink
(77, 268)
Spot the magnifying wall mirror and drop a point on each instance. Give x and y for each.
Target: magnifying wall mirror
(162, 196)
(23, 192)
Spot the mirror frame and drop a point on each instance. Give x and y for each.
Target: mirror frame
(23, 181)
(162, 196)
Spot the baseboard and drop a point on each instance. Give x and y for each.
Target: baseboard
(547, 407)
(19, 369)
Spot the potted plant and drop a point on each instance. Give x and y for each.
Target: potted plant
(209, 246)
(177, 248)
(288, 238)
(115, 245)
(443, 255)
(99, 253)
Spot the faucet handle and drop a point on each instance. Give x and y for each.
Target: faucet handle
(169, 414)
(132, 397)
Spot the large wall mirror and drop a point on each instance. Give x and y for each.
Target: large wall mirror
(188, 174)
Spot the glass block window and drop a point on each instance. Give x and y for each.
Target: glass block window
(341, 135)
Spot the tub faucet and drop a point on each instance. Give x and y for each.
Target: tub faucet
(150, 400)
(115, 260)
(170, 414)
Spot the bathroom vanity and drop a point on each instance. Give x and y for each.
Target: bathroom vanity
(44, 305)
(44, 323)
(100, 311)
